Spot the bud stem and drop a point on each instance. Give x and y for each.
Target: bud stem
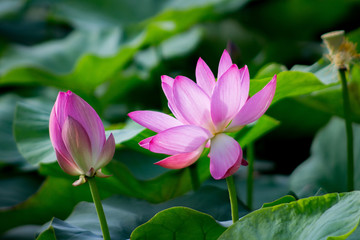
(233, 198)
(99, 209)
(349, 130)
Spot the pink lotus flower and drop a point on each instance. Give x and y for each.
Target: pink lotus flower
(78, 137)
(203, 112)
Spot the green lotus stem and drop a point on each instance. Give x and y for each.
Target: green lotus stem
(99, 209)
(250, 177)
(195, 181)
(349, 131)
(233, 198)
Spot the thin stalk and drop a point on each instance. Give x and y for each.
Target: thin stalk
(349, 131)
(250, 177)
(233, 198)
(195, 181)
(99, 209)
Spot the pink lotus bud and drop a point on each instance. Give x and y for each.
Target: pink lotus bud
(78, 137)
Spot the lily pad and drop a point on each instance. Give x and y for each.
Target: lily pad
(332, 216)
(125, 214)
(326, 168)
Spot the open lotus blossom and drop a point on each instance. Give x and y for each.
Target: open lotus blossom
(78, 137)
(204, 111)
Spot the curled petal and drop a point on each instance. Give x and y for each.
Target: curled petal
(181, 160)
(70, 104)
(68, 165)
(155, 121)
(224, 64)
(78, 144)
(225, 101)
(107, 153)
(225, 156)
(192, 102)
(181, 139)
(204, 77)
(255, 107)
(145, 142)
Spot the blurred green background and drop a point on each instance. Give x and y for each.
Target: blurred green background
(113, 52)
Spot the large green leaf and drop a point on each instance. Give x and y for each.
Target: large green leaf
(289, 84)
(31, 131)
(16, 189)
(8, 150)
(326, 168)
(323, 69)
(92, 14)
(47, 56)
(27, 232)
(285, 199)
(93, 55)
(332, 216)
(81, 67)
(125, 214)
(54, 192)
(179, 223)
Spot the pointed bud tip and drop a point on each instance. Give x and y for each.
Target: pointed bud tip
(234, 66)
(164, 78)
